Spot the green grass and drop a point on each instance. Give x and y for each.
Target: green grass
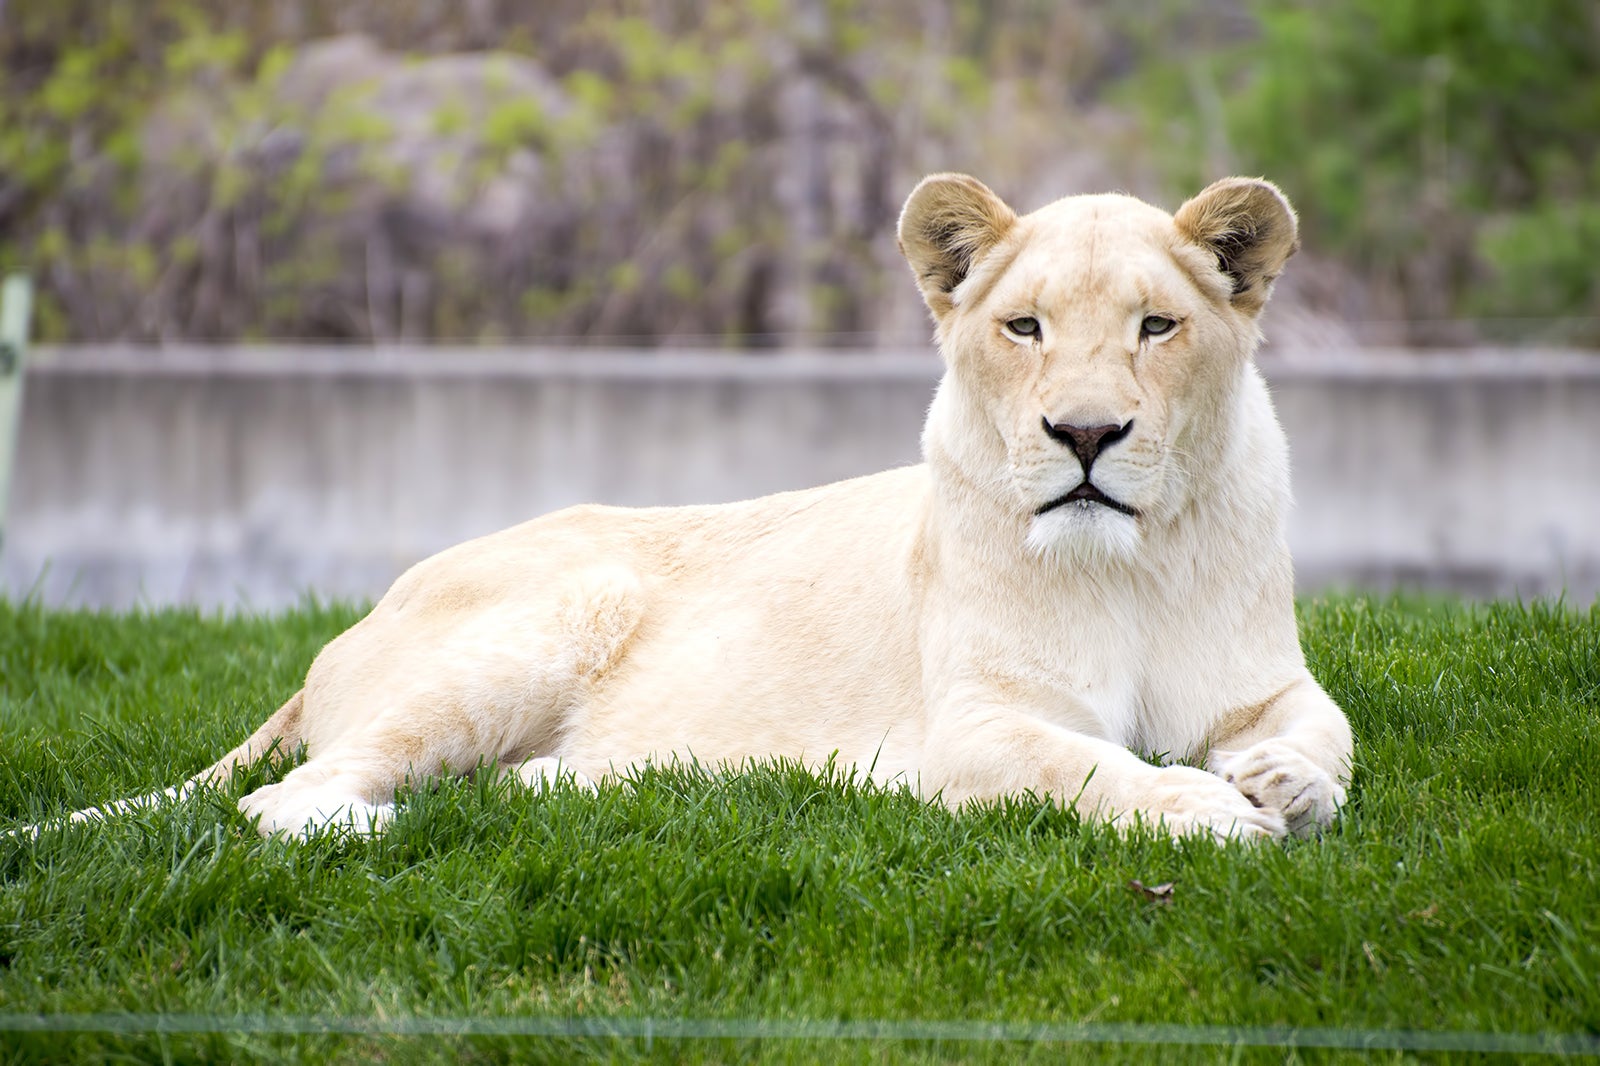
(1459, 891)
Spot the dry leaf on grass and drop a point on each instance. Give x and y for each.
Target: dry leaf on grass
(1159, 894)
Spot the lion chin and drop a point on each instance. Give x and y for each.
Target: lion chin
(1087, 572)
(1084, 534)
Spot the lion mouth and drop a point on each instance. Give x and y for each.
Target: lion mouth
(1088, 492)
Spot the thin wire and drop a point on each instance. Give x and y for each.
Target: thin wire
(764, 1029)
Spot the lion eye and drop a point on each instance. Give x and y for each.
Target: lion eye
(1157, 325)
(1024, 327)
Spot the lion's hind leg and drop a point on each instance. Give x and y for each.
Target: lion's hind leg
(502, 688)
(311, 808)
(349, 787)
(447, 731)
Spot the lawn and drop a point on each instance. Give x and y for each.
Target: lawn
(787, 915)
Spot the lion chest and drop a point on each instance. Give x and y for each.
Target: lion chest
(1095, 683)
(1076, 665)
(1144, 673)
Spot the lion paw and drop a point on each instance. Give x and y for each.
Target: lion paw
(1275, 775)
(1186, 801)
(313, 811)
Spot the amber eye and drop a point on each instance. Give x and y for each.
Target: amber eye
(1157, 325)
(1024, 327)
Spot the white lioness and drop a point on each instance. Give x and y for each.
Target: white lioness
(1090, 564)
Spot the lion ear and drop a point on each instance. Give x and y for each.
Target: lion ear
(1249, 227)
(949, 222)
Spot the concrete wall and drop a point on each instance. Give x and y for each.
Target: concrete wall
(246, 477)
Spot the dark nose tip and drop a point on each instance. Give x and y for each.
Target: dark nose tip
(1087, 442)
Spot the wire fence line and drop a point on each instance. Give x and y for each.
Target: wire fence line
(758, 1029)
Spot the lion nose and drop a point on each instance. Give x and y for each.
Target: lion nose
(1087, 442)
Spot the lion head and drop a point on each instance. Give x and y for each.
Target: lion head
(1095, 348)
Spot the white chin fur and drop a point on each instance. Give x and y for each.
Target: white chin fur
(1085, 533)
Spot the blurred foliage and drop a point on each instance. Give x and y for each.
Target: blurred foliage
(237, 220)
(698, 170)
(1449, 150)
(658, 170)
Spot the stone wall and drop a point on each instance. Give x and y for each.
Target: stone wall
(245, 478)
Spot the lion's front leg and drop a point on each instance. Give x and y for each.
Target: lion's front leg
(1290, 755)
(984, 750)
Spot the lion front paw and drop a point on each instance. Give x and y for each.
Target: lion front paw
(1186, 800)
(1275, 775)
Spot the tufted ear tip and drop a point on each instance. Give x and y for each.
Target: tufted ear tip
(1250, 228)
(948, 222)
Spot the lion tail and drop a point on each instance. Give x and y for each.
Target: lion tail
(282, 730)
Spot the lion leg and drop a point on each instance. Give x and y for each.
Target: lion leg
(1290, 754)
(351, 788)
(351, 784)
(495, 687)
(308, 806)
(985, 751)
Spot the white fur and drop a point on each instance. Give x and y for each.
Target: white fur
(1085, 535)
(925, 626)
